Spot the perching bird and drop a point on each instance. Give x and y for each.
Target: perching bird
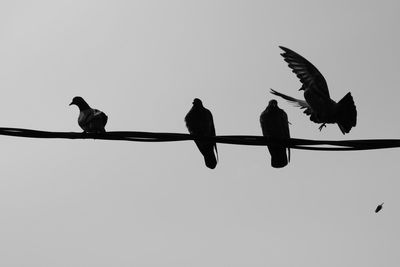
(379, 208)
(90, 120)
(199, 121)
(274, 124)
(318, 104)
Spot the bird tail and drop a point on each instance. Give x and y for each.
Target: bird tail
(279, 159)
(207, 150)
(210, 160)
(346, 113)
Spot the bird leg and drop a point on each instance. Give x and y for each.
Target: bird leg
(322, 126)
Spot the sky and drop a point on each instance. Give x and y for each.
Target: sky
(113, 203)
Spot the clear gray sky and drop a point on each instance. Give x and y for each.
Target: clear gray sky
(104, 203)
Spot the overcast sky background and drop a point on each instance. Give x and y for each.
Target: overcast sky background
(110, 203)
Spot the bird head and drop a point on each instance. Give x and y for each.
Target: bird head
(197, 102)
(273, 103)
(80, 102)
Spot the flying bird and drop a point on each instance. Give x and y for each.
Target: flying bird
(379, 208)
(318, 104)
(90, 120)
(274, 124)
(199, 122)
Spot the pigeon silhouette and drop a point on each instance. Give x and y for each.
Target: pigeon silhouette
(199, 122)
(274, 124)
(90, 120)
(379, 208)
(318, 104)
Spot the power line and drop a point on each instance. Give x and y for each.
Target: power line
(249, 140)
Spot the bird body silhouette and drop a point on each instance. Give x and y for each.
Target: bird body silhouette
(379, 208)
(199, 122)
(275, 125)
(90, 120)
(318, 104)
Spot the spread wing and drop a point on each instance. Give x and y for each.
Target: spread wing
(308, 74)
(297, 102)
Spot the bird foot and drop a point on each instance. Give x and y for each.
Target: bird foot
(322, 126)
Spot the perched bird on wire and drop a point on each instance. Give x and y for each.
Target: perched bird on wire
(379, 208)
(275, 125)
(90, 120)
(318, 104)
(199, 122)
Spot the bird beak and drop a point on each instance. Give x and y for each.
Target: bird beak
(72, 103)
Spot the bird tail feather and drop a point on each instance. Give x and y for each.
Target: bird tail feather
(210, 160)
(279, 159)
(207, 150)
(346, 114)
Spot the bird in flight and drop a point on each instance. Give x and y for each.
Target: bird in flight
(90, 120)
(378, 208)
(318, 104)
(274, 124)
(199, 122)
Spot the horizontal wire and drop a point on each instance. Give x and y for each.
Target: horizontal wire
(250, 140)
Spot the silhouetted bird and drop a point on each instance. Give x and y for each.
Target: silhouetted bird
(90, 120)
(318, 104)
(199, 122)
(379, 208)
(274, 124)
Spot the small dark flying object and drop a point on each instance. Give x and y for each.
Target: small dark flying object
(379, 208)
(199, 121)
(90, 120)
(318, 104)
(274, 124)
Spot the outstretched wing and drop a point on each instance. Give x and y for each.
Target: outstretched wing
(297, 102)
(308, 74)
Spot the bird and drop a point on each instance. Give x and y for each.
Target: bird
(379, 207)
(90, 120)
(274, 124)
(318, 104)
(199, 122)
